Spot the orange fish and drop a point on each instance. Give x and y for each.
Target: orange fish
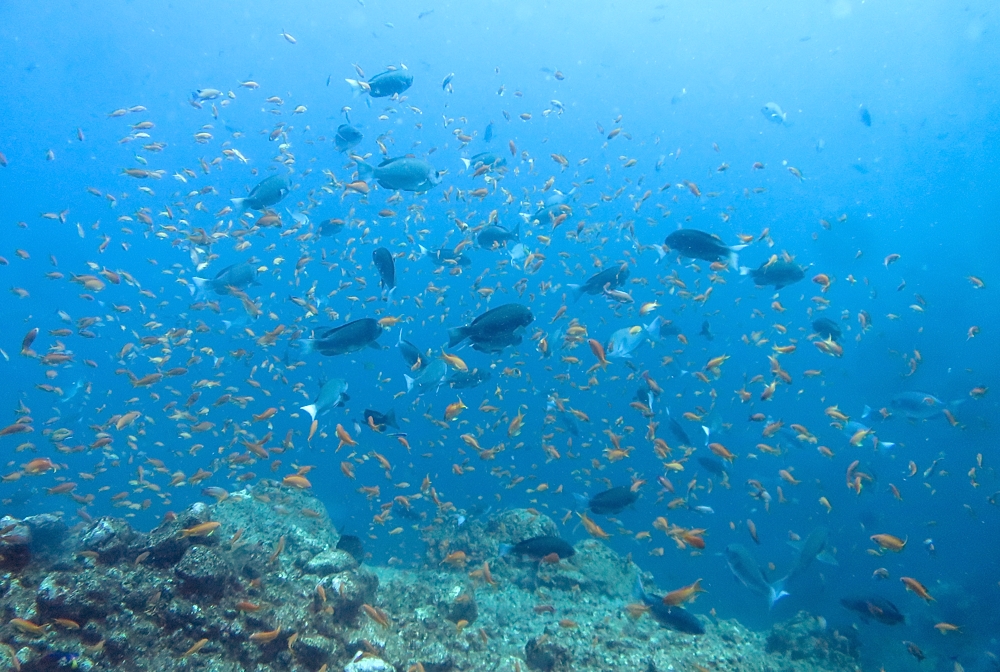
(915, 586)
(682, 595)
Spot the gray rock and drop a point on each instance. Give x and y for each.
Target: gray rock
(330, 561)
(204, 571)
(110, 538)
(47, 531)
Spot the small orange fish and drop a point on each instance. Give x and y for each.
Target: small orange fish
(915, 586)
(682, 595)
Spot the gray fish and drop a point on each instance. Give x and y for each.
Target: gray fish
(488, 134)
(540, 547)
(612, 501)
(609, 278)
(675, 618)
(267, 193)
(865, 116)
(920, 406)
(403, 173)
(330, 227)
(813, 548)
(381, 419)
(696, 244)
(347, 137)
(489, 159)
(429, 378)
(495, 237)
(745, 568)
(780, 273)
(827, 328)
(384, 84)
(462, 380)
(445, 257)
(346, 338)
(495, 329)
(382, 258)
(234, 276)
(411, 353)
(774, 113)
(332, 394)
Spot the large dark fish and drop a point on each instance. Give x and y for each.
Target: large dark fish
(780, 273)
(612, 501)
(675, 618)
(713, 466)
(411, 353)
(677, 430)
(330, 227)
(234, 276)
(494, 237)
(346, 338)
(495, 329)
(332, 394)
(347, 137)
(381, 419)
(696, 244)
(745, 568)
(446, 257)
(461, 380)
(403, 173)
(489, 159)
(428, 378)
(609, 278)
(264, 195)
(826, 328)
(876, 608)
(537, 548)
(813, 548)
(384, 84)
(386, 266)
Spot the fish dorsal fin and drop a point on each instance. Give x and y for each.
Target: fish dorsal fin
(224, 271)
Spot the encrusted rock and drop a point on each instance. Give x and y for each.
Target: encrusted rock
(330, 561)
(47, 531)
(204, 571)
(546, 656)
(369, 664)
(110, 538)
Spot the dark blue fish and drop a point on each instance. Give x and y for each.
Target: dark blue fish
(488, 135)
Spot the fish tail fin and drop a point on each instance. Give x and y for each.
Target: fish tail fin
(653, 328)
(199, 285)
(776, 591)
(456, 335)
(577, 291)
(308, 345)
(638, 592)
(311, 410)
(708, 433)
(240, 203)
(365, 170)
(423, 251)
(505, 549)
(390, 418)
(582, 501)
(744, 270)
(467, 163)
(409, 382)
(358, 87)
(866, 412)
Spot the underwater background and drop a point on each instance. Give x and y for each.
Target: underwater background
(854, 142)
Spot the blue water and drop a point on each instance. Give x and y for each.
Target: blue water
(685, 84)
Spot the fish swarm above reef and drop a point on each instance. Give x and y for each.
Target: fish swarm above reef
(267, 589)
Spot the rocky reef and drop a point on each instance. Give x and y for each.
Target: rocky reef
(262, 581)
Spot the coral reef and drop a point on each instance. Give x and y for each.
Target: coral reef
(257, 582)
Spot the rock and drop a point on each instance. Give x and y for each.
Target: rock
(15, 546)
(546, 657)
(80, 598)
(346, 592)
(313, 652)
(204, 571)
(110, 538)
(598, 569)
(369, 665)
(330, 561)
(47, 531)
